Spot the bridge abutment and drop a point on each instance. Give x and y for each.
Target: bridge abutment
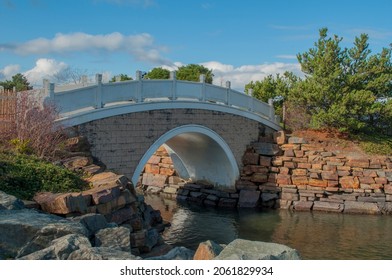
(210, 143)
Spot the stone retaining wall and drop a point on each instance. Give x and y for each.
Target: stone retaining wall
(292, 174)
(306, 177)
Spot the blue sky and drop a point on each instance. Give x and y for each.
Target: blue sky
(240, 40)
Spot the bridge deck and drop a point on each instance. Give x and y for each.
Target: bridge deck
(163, 93)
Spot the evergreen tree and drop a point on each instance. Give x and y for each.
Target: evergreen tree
(345, 89)
(19, 81)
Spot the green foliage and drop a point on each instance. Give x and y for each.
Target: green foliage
(123, 77)
(21, 146)
(276, 88)
(192, 72)
(158, 73)
(375, 144)
(19, 81)
(345, 89)
(23, 176)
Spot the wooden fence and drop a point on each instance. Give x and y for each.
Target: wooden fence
(8, 103)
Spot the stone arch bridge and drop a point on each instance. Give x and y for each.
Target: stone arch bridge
(205, 128)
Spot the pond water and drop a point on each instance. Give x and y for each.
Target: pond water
(316, 235)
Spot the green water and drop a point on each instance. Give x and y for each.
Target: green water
(315, 235)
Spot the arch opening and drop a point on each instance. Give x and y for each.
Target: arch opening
(198, 153)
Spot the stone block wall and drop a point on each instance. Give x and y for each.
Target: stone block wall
(291, 174)
(159, 174)
(306, 177)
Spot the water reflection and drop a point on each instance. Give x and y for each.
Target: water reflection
(315, 235)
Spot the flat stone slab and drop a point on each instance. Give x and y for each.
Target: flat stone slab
(355, 207)
(328, 206)
(303, 205)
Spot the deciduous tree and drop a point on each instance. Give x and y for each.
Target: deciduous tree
(158, 73)
(192, 72)
(122, 77)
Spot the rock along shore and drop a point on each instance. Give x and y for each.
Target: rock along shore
(30, 234)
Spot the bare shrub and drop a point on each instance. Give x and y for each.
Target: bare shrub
(296, 116)
(33, 125)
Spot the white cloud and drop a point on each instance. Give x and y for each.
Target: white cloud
(140, 46)
(287, 56)
(8, 71)
(242, 75)
(44, 69)
(173, 67)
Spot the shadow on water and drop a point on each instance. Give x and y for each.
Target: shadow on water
(315, 235)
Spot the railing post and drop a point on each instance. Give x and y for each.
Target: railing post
(84, 80)
(271, 109)
(202, 79)
(228, 86)
(48, 88)
(51, 91)
(251, 102)
(98, 91)
(173, 77)
(138, 78)
(45, 87)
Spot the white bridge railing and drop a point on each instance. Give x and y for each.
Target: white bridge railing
(101, 95)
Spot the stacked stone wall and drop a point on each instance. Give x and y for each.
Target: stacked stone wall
(159, 174)
(292, 174)
(306, 177)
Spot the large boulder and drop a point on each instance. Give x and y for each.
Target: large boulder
(115, 238)
(101, 253)
(61, 203)
(177, 253)
(10, 202)
(18, 227)
(92, 222)
(241, 249)
(207, 250)
(44, 237)
(60, 248)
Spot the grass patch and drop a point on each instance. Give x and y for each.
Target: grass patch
(375, 144)
(23, 176)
